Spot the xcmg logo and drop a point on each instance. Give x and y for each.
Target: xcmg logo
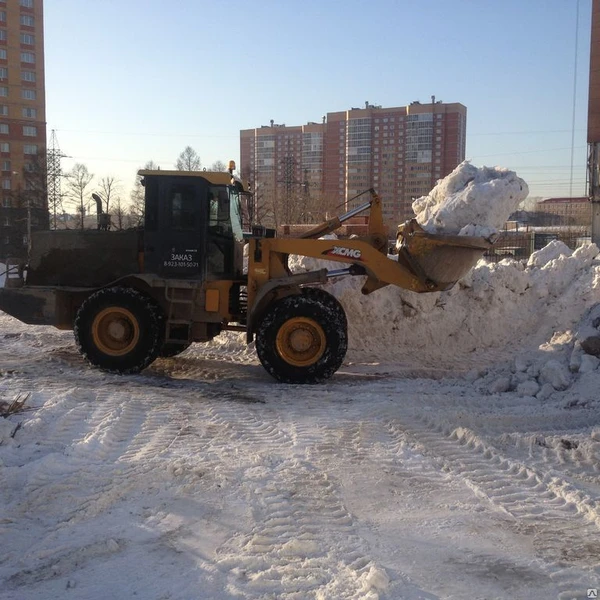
(345, 252)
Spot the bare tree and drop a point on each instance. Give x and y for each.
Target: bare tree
(137, 197)
(259, 209)
(109, 187)
(78, 181)
(119, 214)
(188, 160)
(218, 165)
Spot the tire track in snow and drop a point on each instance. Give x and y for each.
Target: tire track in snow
(303, 545)
(89, 457)
(303, 541)
(564, 522)
(573, 457)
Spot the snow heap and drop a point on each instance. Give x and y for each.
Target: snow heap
(471, 201)
(497, 311)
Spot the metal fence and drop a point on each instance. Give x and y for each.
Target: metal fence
(521, 244)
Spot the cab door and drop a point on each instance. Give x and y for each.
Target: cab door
(175, 240)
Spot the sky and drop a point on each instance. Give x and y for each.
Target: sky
(129, 82)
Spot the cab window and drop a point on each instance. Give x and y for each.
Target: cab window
(218, 203)
(182, 205)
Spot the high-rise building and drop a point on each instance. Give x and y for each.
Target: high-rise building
(285, 167)
(306, 172)
(23, 198)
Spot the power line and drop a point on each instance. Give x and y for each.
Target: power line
(528, 152)
(537, 132)
(148, 134)
(574, 92)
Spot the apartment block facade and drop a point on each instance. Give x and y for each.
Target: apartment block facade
(23, 197)
(323, 168)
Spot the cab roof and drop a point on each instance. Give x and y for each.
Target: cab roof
(214, 177)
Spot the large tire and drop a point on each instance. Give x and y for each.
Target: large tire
(170, 349)
(119, 330)
(303, 338)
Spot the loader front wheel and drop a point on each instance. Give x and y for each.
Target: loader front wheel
(303, 338)
(119, 330)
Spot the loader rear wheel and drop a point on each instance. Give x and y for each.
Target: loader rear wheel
(119, 330)
(303, 338)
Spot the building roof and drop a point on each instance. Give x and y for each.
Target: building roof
(564, 200)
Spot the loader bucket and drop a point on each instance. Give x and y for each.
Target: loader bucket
(438, 260)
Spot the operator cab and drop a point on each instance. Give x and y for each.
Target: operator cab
(192, 224)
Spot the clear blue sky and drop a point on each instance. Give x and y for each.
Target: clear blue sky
(128, 81)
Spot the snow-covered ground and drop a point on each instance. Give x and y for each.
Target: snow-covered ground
(454, 456)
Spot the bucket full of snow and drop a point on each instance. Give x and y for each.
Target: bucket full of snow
(457, 222)
(439, 260)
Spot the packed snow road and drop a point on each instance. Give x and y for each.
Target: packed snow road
(201, 478)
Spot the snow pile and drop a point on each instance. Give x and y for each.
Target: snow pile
(568, 361)
(471, 201)
(493, 311)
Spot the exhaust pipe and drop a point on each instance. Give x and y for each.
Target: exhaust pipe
(98, 204)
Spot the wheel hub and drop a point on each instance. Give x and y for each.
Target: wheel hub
(301, 341)
(115, 331)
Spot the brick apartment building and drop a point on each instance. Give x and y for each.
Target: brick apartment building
(23, 198)
(564, 211)
(304, 173)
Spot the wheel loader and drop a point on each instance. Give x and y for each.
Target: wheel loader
(135, 295)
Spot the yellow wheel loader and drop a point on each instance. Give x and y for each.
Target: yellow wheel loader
(132, 296)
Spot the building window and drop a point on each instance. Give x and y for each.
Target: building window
(28, 39)
(6, 184)
(3, 128)
(29, 130)
(6, 202)
(26, 3)
(3, 110)
(6, 222)
(6, 165)
(30, 148)
(27, 20)
(3, 53)
(30, 113)
(4, 147)
(28, 76)
(28, 94)
(3, 73)
(28, 57)
(2, 16)
(3, 35)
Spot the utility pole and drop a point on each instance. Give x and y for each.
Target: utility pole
(594, 124)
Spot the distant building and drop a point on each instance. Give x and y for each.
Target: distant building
(304, 173)
(564, 211)
(23, 197)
